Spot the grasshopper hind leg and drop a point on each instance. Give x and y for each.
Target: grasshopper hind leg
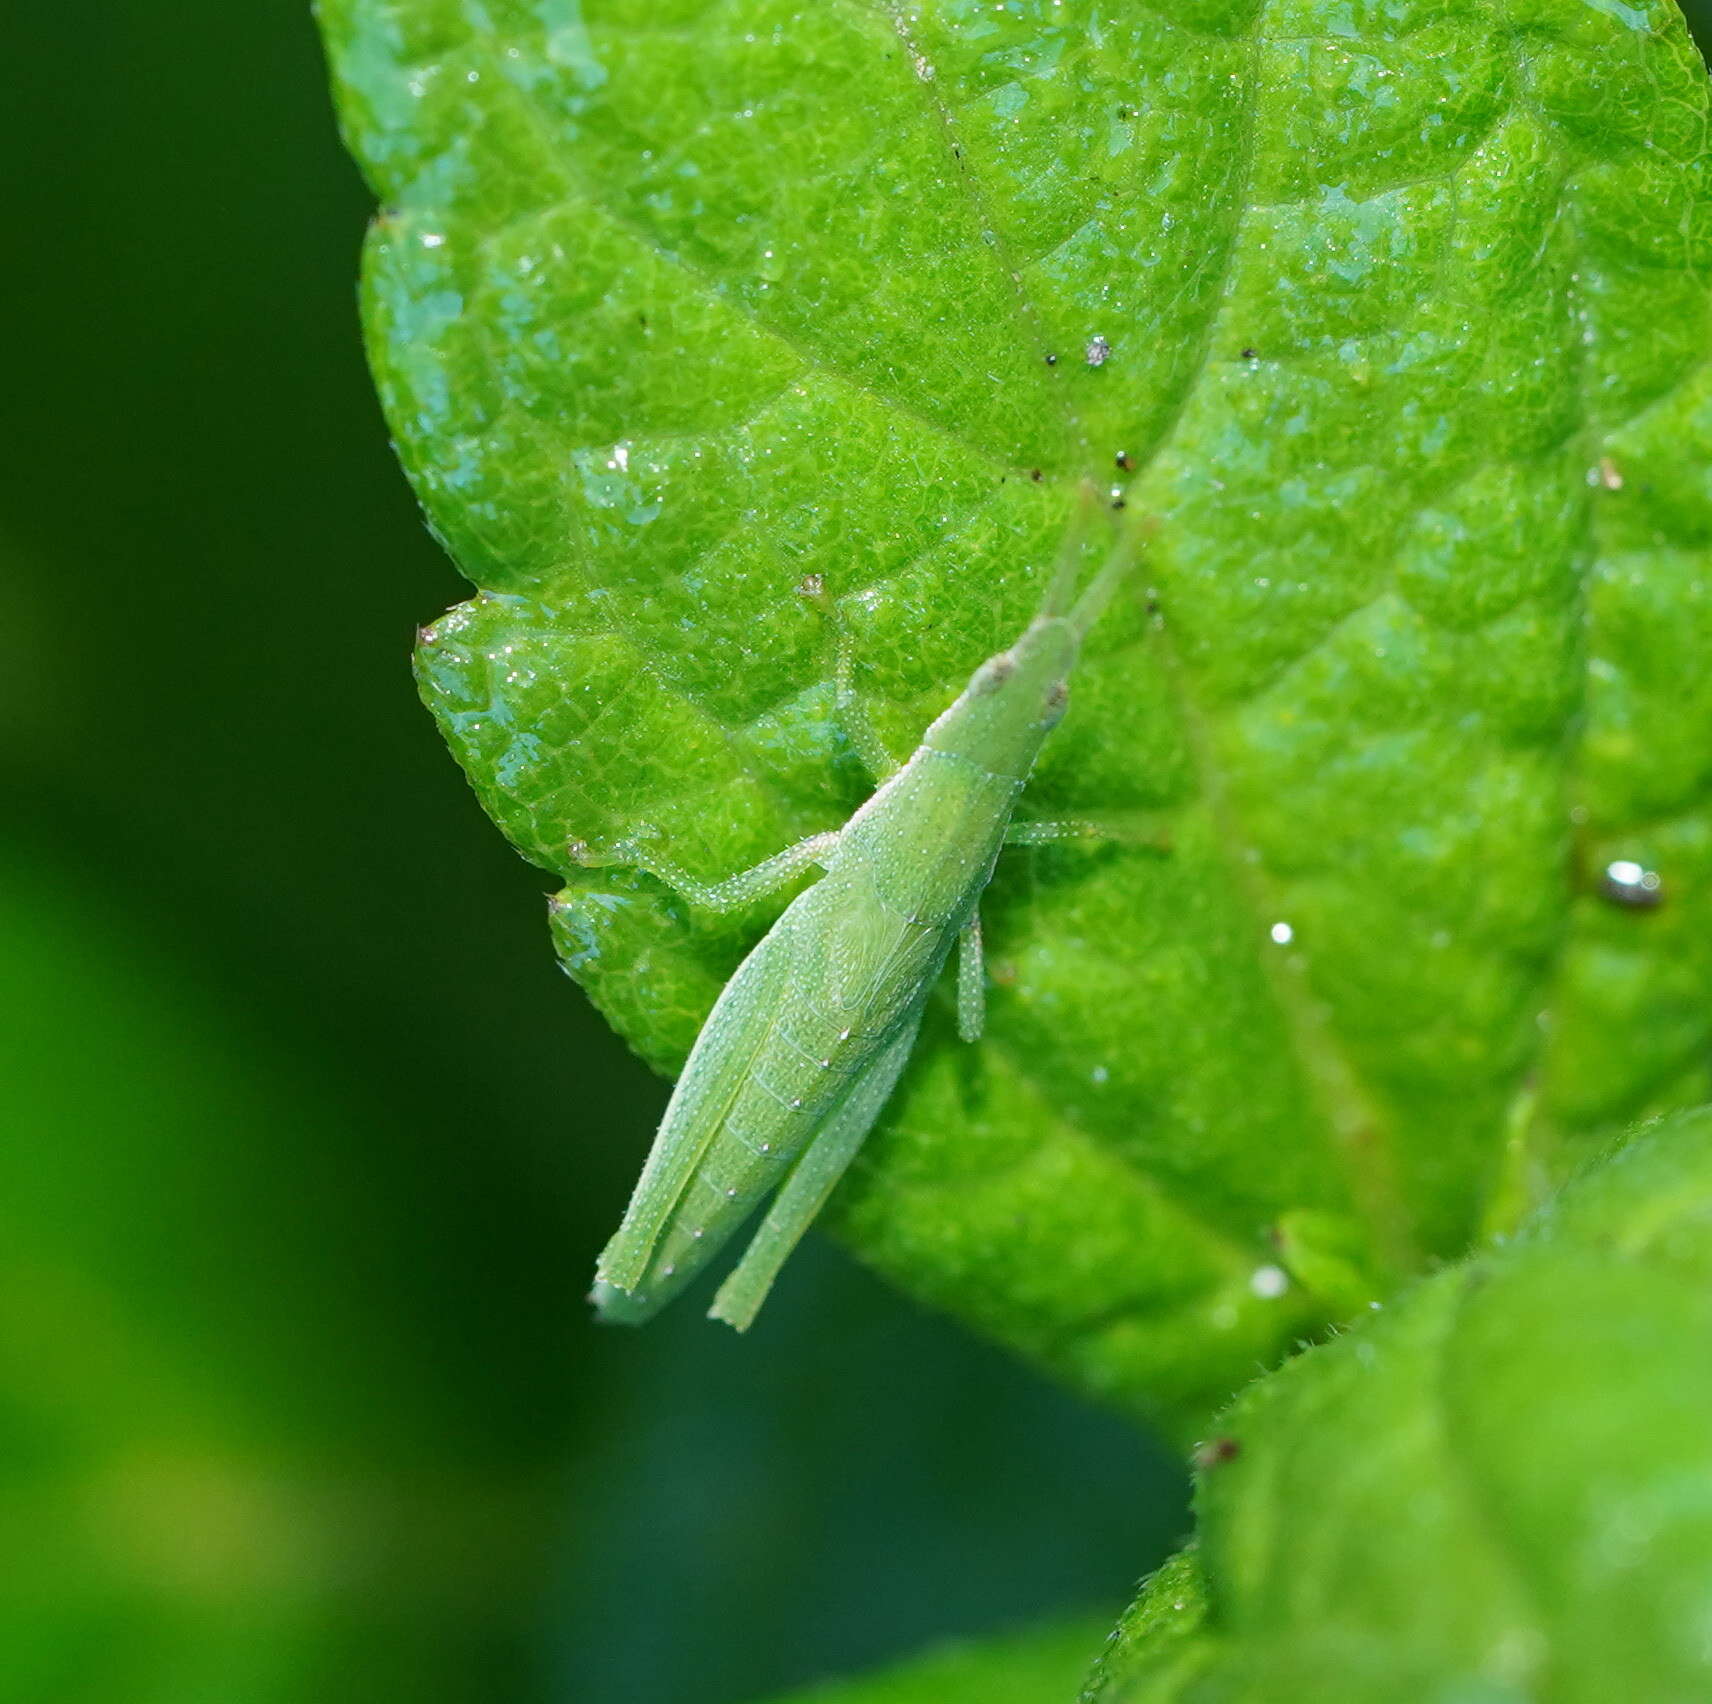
(811, 1180)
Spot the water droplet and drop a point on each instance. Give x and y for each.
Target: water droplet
(1282, 933)
(1628, 883)
(1269, 1282)
(1099, 1074)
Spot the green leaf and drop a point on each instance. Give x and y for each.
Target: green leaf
(1500, 1490)
(1041, 1665)
(675, 304)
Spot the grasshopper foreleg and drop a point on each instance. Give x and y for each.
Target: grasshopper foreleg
(731, 894)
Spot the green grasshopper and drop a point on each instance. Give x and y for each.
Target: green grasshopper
(809, 1036)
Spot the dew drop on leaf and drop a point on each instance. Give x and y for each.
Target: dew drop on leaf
(1628, 883)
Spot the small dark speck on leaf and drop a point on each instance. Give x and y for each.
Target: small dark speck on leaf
(1153, 606)
(1119, 503)
(1251, 354)
(1216, 1452)
(1052, 360)
(1036, 475)
(1122, 459)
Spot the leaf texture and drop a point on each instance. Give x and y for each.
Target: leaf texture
(1393, 312)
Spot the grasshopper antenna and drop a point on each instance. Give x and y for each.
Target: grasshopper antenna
(1060, 590)
(1088, 608)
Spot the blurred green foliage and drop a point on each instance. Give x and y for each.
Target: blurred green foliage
(311, 1146)
(1045, 1663)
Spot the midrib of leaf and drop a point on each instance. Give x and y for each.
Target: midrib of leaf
(1359, 1129)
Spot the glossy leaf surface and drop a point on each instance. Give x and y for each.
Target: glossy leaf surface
(1401, 336)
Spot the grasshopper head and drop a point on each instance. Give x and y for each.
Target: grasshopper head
(1013, 701)
(1034, 672)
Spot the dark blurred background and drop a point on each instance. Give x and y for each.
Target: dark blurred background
(310, 1147)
